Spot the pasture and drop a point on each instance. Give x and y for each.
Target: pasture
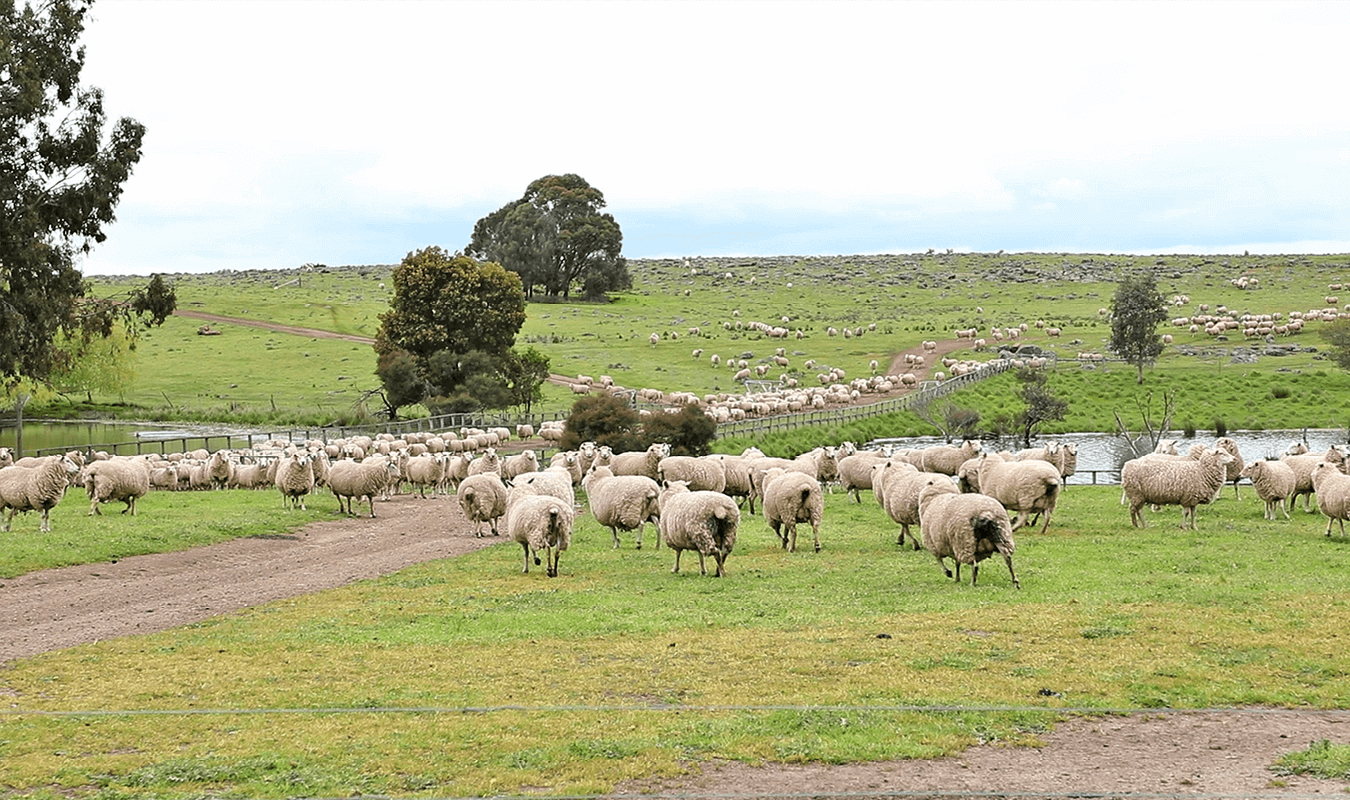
(251, 376)
(463, 677)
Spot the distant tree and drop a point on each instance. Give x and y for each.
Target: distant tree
(951, 420)
(1137, 309)
(102, 364)
(1041, 404)
(1337, 337)
(60, 182)
(157, 300)
(689, 433)
(556, 237)
(603, 419)
(525, 375)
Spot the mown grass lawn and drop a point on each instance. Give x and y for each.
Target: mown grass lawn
(464, 677)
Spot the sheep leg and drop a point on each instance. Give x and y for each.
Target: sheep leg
(677, 560)
(815, 531)
(904, 531)
(1008, 559)
(8, 519)
(1137, 515)
(371, 499)
(615, 533)
(702, 570)
(551, 555)
(721, 559)
(1045, 527)
(46, 526)
(974, 572)
(942, 565)
(526, 548)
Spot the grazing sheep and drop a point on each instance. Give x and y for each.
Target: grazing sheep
(124, 479)
(36, 488)
(483, 499)
(791, 497)
(1274, 482)
(702, 521)
(641, 462)
(968, 528)
(361, 480)
(1183, 482)
(700, 474)
(1333, 493)
(541, 523)
(295, 479)
(1303, 464)
(1027, 487)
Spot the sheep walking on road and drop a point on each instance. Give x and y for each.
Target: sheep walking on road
(354, 481)
(295, 479)
(483, 499)
(968, 528)
(702, 521)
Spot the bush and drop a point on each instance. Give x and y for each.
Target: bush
(605, 420)
(689, 433)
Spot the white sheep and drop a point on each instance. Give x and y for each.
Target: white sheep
(901, 483)
(361, 480)
(36, 488)
(622, 502)
(1303, 464)
(1274, 482)
(791, 497)
(736, 473)
(554, 482)
(1027, 487)
(1183, 482)
(1234, 472)
(422, 471)
(702, 521)
(855, 472)
(295, 479)
(700, 474)
(968, 528)
(640, 462)
(947, 459)
(483, 499)
(1333, 493)
(220, 469)
(541, 523)
(488, 462)
(124, 479)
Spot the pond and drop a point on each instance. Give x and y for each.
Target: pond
(40, 435)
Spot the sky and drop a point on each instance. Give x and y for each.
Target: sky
(286, 133)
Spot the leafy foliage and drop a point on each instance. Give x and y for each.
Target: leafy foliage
(60, 182)
(689, 433)
(448, 334)
(556, 238)
(1137, 309)
(1337, 337)
(603, 419)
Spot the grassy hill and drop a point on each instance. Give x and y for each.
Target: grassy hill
(249, 375)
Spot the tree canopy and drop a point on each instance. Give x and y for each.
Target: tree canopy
(556, 239)
(1137, 309)
(448, 335)
(60, 181)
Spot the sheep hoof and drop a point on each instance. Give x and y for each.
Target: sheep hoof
(537, 562)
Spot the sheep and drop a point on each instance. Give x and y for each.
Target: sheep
(1234, 471)
(295, 479)
(36, 488)
(855, 472)
(483, 499)
(624, 502)
(220, 469)
(519, 464)
(540, 523)
(554, 482)
(124, 479)
(1026, 487)
(700, 474)
(1183, 482)
(789, 498)
(361, 480)
(947, 459)
(736, 472)
(1302, 464)
(641, 462)
(421, 472)
(901, 485)
(1274, 482)
(702, 521)
(966, 527)
(488, 462)
(1333, 493)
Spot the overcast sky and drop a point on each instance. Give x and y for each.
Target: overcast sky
(284, 133)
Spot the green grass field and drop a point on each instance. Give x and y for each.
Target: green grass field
(463, 677)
